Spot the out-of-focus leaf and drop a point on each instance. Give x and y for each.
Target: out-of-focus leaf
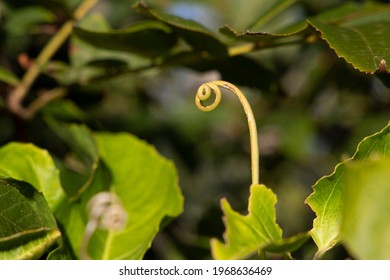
(196, 35)
(27, 226)
(82, 144)
(327, 199)
(94, 48)
(148, 38)
(295, 132)
(78, 72)
(8, 77)
(26, 162)
(358, 33)
(241, 70)
(246, 235)
(147, 185)
(269, 26)
(22, 20)
(65, 110)
(365, 227)
(272, 10)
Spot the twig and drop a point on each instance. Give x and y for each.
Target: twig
(15, 99)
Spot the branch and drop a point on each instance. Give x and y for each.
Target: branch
(16, 97)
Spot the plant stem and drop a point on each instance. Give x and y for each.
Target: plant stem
(252, 46)
(17, 96)
(204, 93)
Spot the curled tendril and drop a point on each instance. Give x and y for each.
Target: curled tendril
(105, 212)
(204, 93)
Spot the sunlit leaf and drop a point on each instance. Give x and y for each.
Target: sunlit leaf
(358, 33)
(366, 225)
(248, 234)
(147, 185)
(27, 226)
(26, 162)
(327, 199)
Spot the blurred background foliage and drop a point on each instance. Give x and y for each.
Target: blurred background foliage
(312, 108)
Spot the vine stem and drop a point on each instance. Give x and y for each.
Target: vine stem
(17, 96)
(204, 93)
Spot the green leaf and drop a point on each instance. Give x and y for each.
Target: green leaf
(245, 235)
(327, 199)
(148, 38)
(22, 20)
(59, 253)
(65, 110)
(260, 36)
(147, 185)
(358, 33)
(26, 162)
(287, 245)
(80, 72)
(270, 24)
(271, 11)
(195, 34)
(366, 225)
(27, 226)
(8, 77)
(259, 15)
(33, 249)
(83, 146)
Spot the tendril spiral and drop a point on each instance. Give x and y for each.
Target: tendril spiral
(204, 93)
(106, 212)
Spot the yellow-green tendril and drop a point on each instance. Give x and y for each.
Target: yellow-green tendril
(105, 212)
(204, 93)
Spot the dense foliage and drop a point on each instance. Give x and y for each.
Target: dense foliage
(98, 98)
